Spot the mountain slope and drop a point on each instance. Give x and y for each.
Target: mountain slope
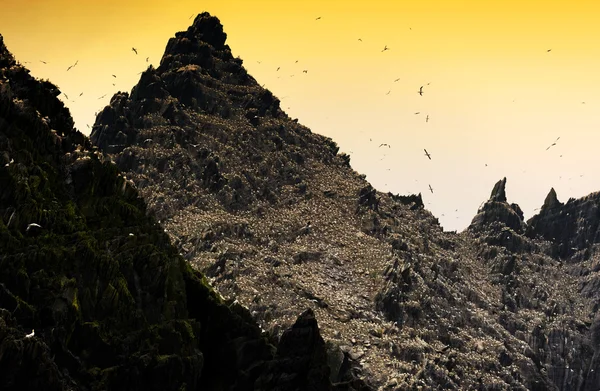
(277, 218)
(85, 269)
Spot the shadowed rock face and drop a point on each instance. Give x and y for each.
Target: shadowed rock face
(111, 303)
(278, 220)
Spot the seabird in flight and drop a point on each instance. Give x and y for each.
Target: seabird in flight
(384, 145)
(427, 154)
(398, 79)
(430, 189)
(72, 65)
(360, 39)
(30, 334)
(134, 49)
(114, 76)
(421, 91)
(102, 96)
(147, 59)
(385, 48)
(43, 62)
(305, 71)
(318, 18)
(427, 118)
(81, 94)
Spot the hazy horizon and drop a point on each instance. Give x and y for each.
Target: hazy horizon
(493, 92)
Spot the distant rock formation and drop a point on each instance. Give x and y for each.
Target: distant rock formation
(497, 210)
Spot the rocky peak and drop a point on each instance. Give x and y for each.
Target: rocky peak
(551, 200)
(497, 210)
(499, 192)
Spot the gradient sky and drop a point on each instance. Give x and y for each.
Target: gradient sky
(495, 96)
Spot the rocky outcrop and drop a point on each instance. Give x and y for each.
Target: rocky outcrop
(497, 210)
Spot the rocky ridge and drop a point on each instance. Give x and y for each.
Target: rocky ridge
(277, 219)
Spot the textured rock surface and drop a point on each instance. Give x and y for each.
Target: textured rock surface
(278, 219)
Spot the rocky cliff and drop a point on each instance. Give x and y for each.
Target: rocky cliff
(93, 296)
(277, 219)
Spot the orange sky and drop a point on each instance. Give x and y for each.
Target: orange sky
(496, 96)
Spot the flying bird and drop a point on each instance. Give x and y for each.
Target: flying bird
(384, 145)
(277, 69)
(385, 48)
(65, 95)
(134, 49)
(43, 62)
(30, 334)
(114, 76)
(427, 154)
(191, 17)
(430, 189)
(102, 96)
(388, 92)
(81, 94)
(305, 71)
(296, 62)
(72, 65)
(418, 112)
(360, 39)
(147, 59)
(421, 91)
(32, 226)
(427, 118)
(318, 18)
(549, 50)
(398, 79)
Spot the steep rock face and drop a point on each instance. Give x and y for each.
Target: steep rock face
(277, 218)
(92, 294)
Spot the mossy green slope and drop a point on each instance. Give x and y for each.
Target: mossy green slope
(112, 304)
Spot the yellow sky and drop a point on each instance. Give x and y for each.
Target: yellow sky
(496, 95)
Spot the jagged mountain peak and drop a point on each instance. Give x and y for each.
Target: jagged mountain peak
(551, 200)
(499, 191)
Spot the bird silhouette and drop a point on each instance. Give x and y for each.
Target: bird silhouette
(278, 68)
(427, 154)
(385, 48)
(418, 112)
(318, 18)
(102, 96)
(43, 62)
(388, 92)
(135, 50)
(549, 50)
(81, 94)
(430, 189)
(421, 91)
(384, 145)
(72, 65)
(398, 79)
(360, 39)
(30, 334)
(427, 118)
(305, 71)
(147, 59)
(114, 76)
